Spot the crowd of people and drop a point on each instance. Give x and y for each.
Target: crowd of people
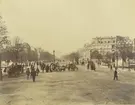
(91, 65)
(33, 68)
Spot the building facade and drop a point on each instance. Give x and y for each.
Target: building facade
(106, 44)
(103, 44)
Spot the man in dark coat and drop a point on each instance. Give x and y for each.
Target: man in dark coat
(47, 68)
(28, 73)
(93, 67)
(88, 65)
(115, 74)
(33, 74)
(37, 71)
(111, 67)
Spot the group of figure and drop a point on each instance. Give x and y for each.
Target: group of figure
(14, 70)
(91, 65)
(33, 68)
(32, 72)
(56, 67)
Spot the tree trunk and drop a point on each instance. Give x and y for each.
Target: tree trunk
(1, 76)
(122, 64)
(117, 62)
(129, 65)
(17, 56)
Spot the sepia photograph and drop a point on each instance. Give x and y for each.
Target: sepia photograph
(67, 52)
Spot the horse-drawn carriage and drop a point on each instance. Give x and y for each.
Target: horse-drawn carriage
(63, 67)
(72, 67)
(14, 70)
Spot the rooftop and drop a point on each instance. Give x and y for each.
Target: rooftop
(106, 37)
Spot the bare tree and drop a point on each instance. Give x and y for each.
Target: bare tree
(124, 47)
(16, 47)
(3, 39)
(3, 33)
(72, 56)
(96, 55)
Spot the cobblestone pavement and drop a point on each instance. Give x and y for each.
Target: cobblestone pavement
(81, 87)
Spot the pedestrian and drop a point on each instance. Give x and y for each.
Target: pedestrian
(37, 71)
(5, 70)
(44, 65)
(28, 73)
(47, 68)
(88, 65)
(93, 67)
(115, 74)
(68, 66)
(108, 65)
(111, 67)
(33, 74)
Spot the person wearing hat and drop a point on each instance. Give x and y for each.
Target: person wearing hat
(33, 74)
(115, 74)
(28, 73)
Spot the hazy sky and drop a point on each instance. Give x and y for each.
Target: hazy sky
(65, 25)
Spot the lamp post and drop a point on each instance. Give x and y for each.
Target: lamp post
(1, 76)
(54, 55)
(90, 54)
(116, 52)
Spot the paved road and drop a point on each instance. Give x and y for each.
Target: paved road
(70, 88)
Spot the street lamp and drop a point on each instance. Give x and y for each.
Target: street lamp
(90, 54)
(1, 77)
(54, 54)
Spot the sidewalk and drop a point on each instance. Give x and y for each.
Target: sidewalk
(120, 69)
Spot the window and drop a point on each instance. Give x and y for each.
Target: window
(108, 41)
(113, 46)
(114, 41)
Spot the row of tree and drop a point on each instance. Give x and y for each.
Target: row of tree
(122, 49)
(74, 56)
(19, 51)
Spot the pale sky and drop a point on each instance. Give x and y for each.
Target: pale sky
(66, 25)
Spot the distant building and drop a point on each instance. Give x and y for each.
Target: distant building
(103, 44)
